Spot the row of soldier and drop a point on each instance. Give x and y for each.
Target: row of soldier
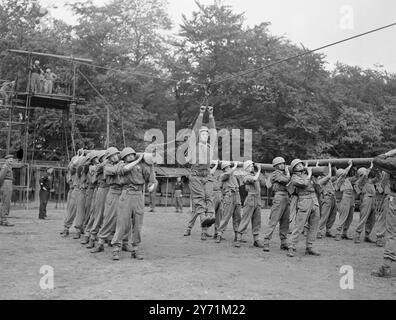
(106, 199)
(319, 204)
(303, 208)
(117, 201)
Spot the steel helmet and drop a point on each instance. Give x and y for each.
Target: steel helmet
(101, 153)
(339, 172)
(294, 163)
(126, 152)
(225, 164)
(361, 171)
(111, 151)
(204, 128)
(278, 160)
(247, 164)
(92, 155)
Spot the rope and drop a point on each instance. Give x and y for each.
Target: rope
(93, 87)
(142, 74)
(302, 54)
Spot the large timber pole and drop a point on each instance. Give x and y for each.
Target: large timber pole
(265, 167)
(322, 164)
(340, 163)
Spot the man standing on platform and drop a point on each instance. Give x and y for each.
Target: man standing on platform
(35, 78)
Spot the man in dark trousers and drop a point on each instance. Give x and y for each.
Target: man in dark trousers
(46, 181)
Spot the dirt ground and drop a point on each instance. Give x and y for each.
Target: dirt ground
(178, 267)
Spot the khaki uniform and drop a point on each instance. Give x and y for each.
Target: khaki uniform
(231, 203)
(329, 205)
(5, 191)
(194, 217)
(383, 206)
(367, 207)
(82, 171)
(99, 204)
(72, 196)
(91, 199)
(307, 210)
(130, 209)
(200, 181)
(280, 211)
(251, 207)
(110, 211)
(90, 196)
(346, 206)
(389, 166)
(217, 202)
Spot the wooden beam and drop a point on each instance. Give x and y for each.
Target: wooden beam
(69, 58)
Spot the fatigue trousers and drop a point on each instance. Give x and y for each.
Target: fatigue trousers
(231, 208)
(44, 197)
(109, 215)
(68, 198)
(251, 213)
(293, 211)
(202, 197)
(307, 213)
(390, 234)
(130, 212)
(194, 217)
(381, 219)
(367, 216)
(280, 213)
(71, 208)
(219, 208)
(152, 196)
(88, 204)
(328, 213)
(346, 210)
(5, 195)
(179, 200)
(100, 202)
(92, 215)
(80, 215)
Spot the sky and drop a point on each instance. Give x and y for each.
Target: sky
(312, 23)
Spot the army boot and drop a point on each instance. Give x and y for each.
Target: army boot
(98, 248)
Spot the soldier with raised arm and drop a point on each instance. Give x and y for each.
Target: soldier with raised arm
(387, 163)
(135, 175)
(73, 192)
(307, 208)
(252, 205)
(110, 171)
(329, 205)
(200, 155)
(231, 200)
(365, 186)
(280, 212)
(347, 205)
(100, 200)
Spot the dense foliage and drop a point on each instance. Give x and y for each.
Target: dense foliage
(295, 109)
